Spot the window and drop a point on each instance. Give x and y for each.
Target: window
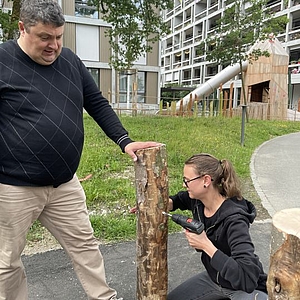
(85, 8)
(126, 87)
(87, 35)
(95, 74)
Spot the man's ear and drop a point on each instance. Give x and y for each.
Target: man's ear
(21, 27)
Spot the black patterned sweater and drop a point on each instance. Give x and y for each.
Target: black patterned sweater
(41, 117)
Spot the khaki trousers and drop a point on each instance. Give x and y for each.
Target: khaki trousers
(63, 212)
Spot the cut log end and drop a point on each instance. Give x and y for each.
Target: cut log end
(284, 272)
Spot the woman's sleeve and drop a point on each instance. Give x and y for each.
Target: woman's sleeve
(243, 268)
(182, 201)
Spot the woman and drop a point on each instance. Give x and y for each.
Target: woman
(233, 270)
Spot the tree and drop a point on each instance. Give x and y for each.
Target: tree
(9, 22)
(243, 23)
(136, 26)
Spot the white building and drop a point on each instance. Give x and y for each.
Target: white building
(192, 21)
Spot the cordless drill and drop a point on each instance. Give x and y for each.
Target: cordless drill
(191, 225)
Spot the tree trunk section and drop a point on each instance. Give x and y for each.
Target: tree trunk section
(152, 226)
(284, 272)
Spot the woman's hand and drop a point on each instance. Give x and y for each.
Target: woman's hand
(201, 242)
(133, 210)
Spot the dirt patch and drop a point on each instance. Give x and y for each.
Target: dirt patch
(46, 243)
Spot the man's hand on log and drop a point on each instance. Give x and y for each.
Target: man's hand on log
(131, 148)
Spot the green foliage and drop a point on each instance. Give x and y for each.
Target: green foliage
(5, 23)
(136, 25)
(8, 26)
(9, 22)
(36, 232)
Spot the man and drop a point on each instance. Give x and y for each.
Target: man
(43, 90)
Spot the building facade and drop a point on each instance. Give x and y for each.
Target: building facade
(192, 21)
(85, 35)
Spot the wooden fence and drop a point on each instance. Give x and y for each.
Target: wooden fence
(215, 107)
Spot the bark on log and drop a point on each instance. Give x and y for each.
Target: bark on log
(152, 228)
(284, 272)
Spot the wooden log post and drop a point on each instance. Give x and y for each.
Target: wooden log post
(189, 106)
(230, 99)
(195, 105)
(152, 226)
(284, 272)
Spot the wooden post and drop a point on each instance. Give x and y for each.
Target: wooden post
(134, 92)
(152, 226)
(118, 93)
(190, 105)
(180, 113)
(203, 107)
(225, 102)
(230, 99)
(173, 108)
(284, 272)
(221, 104)
(196, 106)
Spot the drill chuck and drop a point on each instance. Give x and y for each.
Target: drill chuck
(190, 224)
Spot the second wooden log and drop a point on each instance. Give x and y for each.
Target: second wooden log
(284, 272)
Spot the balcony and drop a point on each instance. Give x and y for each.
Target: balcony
(294, 36)
(214, 7)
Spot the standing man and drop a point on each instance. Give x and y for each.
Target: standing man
(43, 91)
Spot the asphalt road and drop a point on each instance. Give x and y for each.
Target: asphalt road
(51, 276)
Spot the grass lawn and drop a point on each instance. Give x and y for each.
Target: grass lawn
(110, 189)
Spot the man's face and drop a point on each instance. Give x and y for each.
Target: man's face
(42, 42)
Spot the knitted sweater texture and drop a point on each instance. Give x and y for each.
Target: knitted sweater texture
(41, 117)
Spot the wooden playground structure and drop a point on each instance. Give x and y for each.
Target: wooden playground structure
(265, 84)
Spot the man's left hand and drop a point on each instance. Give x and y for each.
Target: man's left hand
(131, 148)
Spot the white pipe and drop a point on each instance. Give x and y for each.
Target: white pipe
(209, 86)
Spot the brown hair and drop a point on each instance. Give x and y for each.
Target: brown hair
(224, 177)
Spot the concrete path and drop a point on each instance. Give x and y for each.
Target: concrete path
(275, 171)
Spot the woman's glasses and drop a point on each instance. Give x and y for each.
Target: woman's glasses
(185, 181)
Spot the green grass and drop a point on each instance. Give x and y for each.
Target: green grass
(111, 192)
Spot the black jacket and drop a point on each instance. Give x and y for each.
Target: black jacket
(234, 265)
